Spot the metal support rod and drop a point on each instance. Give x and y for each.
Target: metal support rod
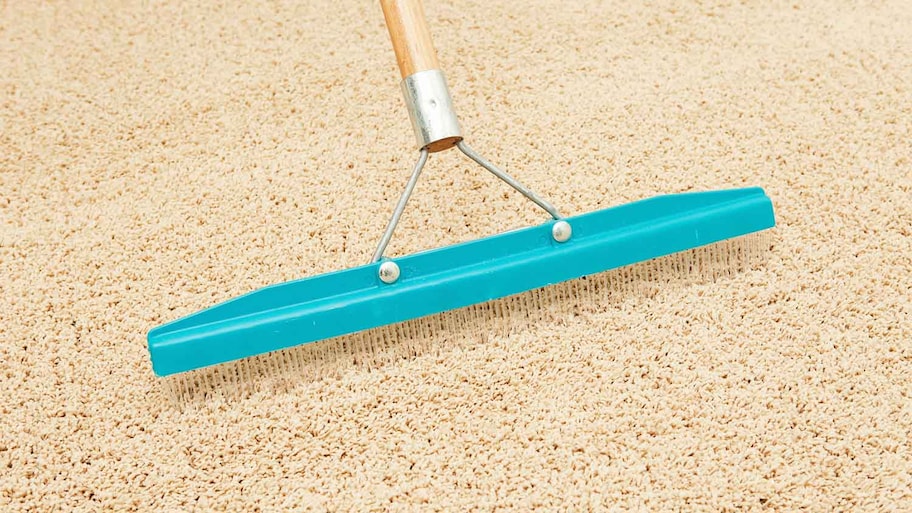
(483, 162)
(400, 207)
(508, 179)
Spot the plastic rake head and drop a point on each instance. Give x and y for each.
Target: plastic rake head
(443, 279)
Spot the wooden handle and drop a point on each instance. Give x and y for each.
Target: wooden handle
(410, 36)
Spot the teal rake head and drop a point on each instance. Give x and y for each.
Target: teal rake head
(388, 291)
(330, 305)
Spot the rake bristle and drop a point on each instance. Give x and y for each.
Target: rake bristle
(281, 371)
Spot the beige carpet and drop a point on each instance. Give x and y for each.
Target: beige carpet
(156, 157)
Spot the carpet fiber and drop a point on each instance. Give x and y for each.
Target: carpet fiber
(156, 157)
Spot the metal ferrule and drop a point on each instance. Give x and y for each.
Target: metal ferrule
(430, 108)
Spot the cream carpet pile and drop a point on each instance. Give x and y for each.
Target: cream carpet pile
(157, 157)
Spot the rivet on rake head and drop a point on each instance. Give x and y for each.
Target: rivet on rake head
(389, 272)
(561, 231)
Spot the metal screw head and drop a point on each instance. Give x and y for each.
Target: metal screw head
(389, 272)
(561, 231)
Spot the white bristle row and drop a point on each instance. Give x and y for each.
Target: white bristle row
(283, 370)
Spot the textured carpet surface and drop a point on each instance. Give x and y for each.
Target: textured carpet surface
(156, 157)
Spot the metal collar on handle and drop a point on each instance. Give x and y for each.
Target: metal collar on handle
(430, 109)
